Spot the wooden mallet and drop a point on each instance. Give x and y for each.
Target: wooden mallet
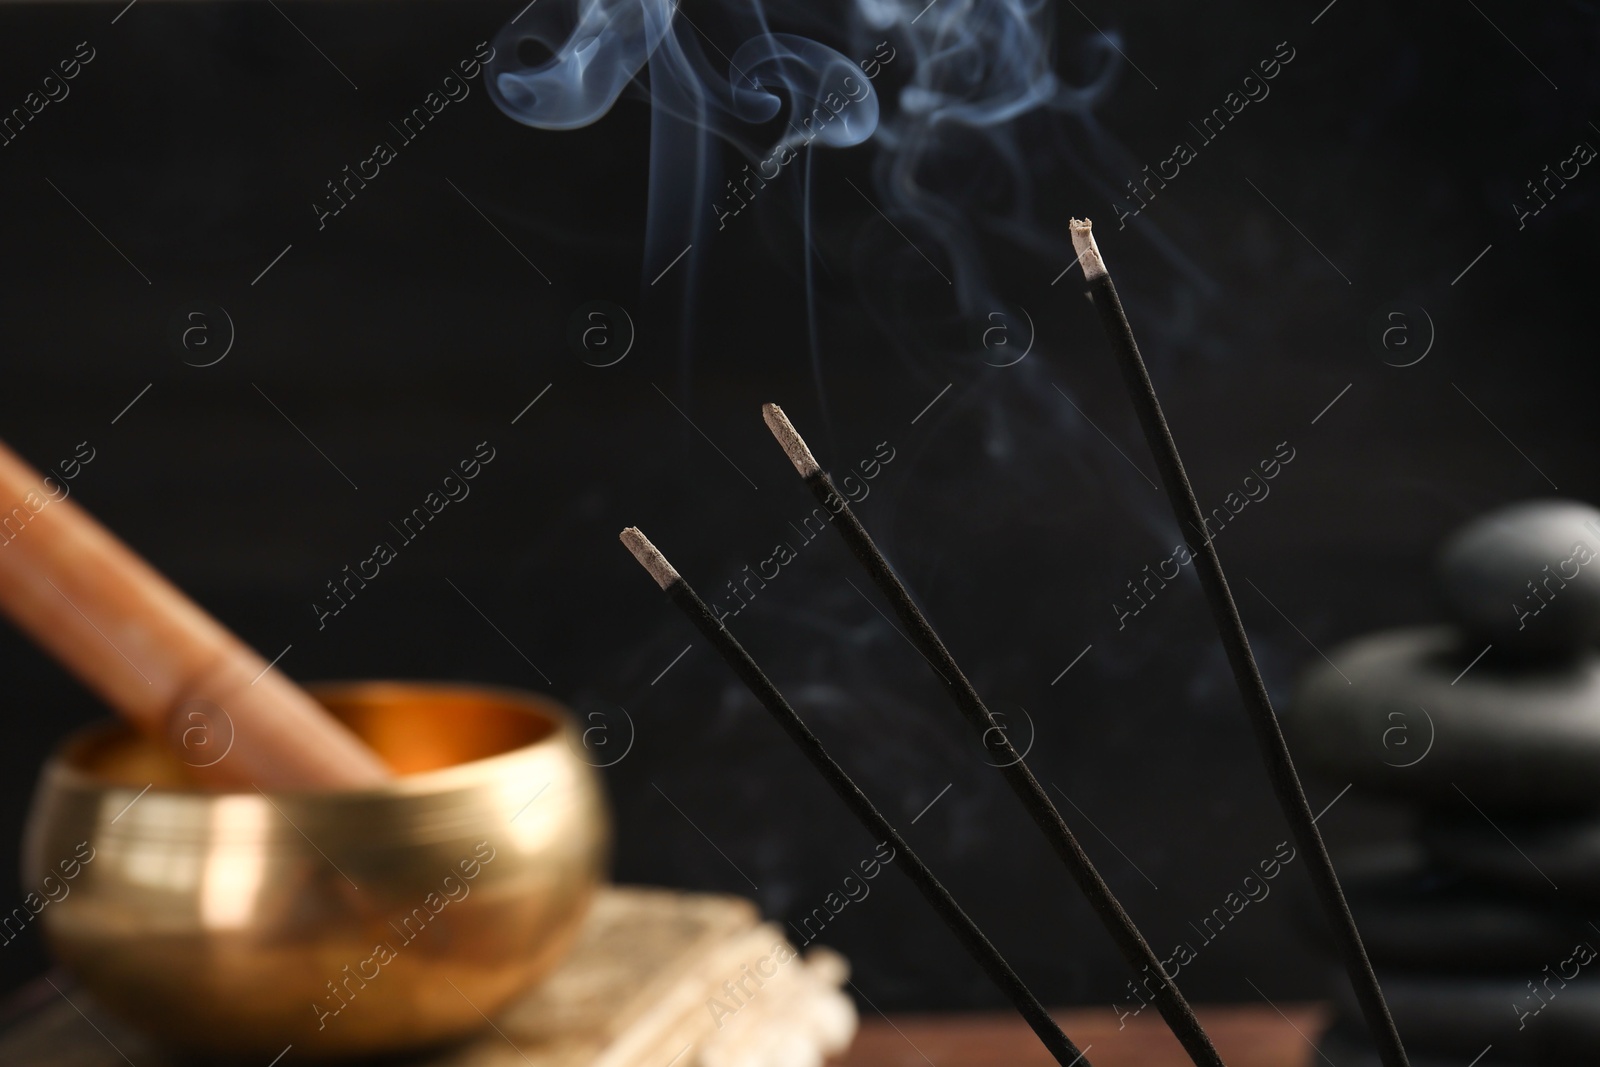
(154, 655)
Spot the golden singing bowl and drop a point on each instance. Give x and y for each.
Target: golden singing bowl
(344, 923)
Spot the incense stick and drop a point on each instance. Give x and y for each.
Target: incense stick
(1225, 613)
(1174, 1009)
(967, 932)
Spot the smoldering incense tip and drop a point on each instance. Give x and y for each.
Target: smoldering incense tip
(649, 557)
(790, 439)
(1088, 251)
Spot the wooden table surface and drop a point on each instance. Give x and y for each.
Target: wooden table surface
(1245, 1036)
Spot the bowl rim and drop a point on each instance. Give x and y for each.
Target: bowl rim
(62, 774)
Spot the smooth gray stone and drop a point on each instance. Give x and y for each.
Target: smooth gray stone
(1538, 856)
(1527, 576)
(1416, 917)
(1394, 713)
(1445, 1015)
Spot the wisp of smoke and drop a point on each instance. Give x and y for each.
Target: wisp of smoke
(960, 104)
(964, 72)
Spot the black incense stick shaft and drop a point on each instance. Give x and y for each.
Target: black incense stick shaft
(1225, 613)
(1135, 950)
(967, 932)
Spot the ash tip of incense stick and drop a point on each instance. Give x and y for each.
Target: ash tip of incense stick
(650, 557)
(1088, 252)
(790, 439)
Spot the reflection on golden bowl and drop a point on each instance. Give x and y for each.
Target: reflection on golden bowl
(344, 922)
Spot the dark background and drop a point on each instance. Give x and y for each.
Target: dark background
(407, 331)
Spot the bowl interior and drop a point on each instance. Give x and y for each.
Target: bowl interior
(413, 727)
(417, 728)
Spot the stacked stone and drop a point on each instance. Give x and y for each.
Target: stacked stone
(1484, 926)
